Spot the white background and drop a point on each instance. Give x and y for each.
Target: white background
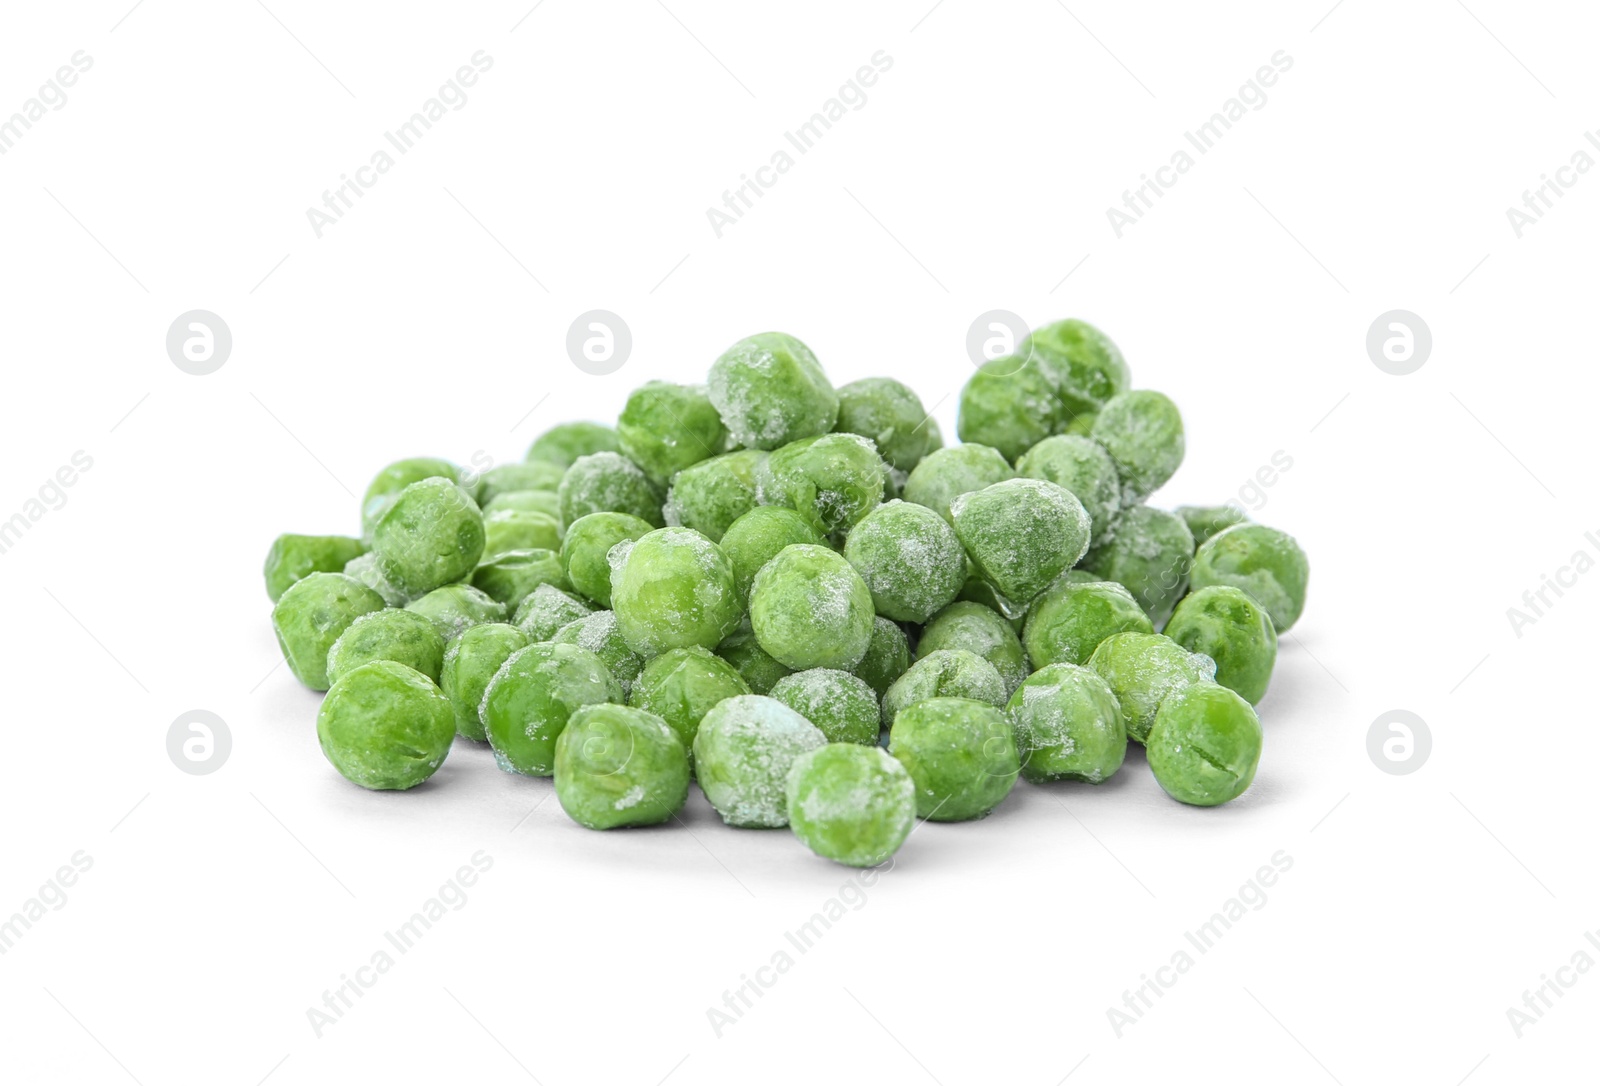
(432, 320)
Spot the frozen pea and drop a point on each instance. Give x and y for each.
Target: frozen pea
(1087, 367)
(1068, 622)
(565, 442)
(976, 590)
(519, 530)
(526, 501)
(1143, 432)
(292, 557)
(850, 803)
(711, 495)
(754, 664)
(511, 576)
(832, 481)
(584, 551)
(671, 589)
(545, 610)
(385, 726)
(891, 415)
(946, 474)
(742, 755)
(1021, 534)
(617, 766)
(455, 607)
(1141, 670)
(1205, 745)
(664, 428)
(1083, 468)
(470, 662)
(961, 754)
(388, 483)
(529, 700)
(888, 656)
(309, 617)
(514, 477)
(770, 390)
(810, 608)
(1011, 404)
(364, 568)
(909, 558)
(1227, 625)
(756, 538)
(402, 636)
(432, 535)
(843, 707)
(978, 629)
(1205, 521)
(1069, 725)
(608, 482)
(682, 685)
(947, 673)
(1265, 563)
(598, 633)
(1149, 552)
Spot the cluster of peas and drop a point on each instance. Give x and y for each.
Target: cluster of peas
(747, 582)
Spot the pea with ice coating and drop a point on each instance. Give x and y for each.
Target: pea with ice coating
(979, 629)
(587, 544)
(832, 481)
(293, 557)
(310, 616)
(1143, 432)
(810, 608)
(431, 535)
(1069, 725)
(946, 474)
(961, 754)
(1067, 623)
(1020, 534)
(1149, 552)
(947, 673)
(770, 390)
(402, 636)
(608, 482)
(742, 755)
(527, 703)
(470, 662)
(756, 538)
(673, 588)
(711, 495)
(616, 766)
(565, 442)
(909, 558)
(1081, 467)
(1142, 670)
(843, 707)
(666, 427)
(385, 726)
(892, 416)
(682, 685)
(1263, 562)
(851, 803)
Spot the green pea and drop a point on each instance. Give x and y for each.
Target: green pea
(1021, 534)
(946, 474)
(961, 754)
(598, 633)
(758, 669)
(1087, 367)
(1205, 521)
(1205, 745)
(309, 617)
(515, 477)
(682, 685)
(850, 803)
(1081, 467)
(526, 501)
(1143, 432)
(529, 700)
(385, 726)
(1227, 625)
(518, 530)
(888, 656)
(588, 541)
(388, 483)
(1265, 563)
(617, 766)
(1149, 552)
(1141, 670)
(1011, 404)
(671, 589)
(545, 610)
(292, 557)
(469, 663)
(432, 535)
(1069, 725)
(947, 673)
(511, 576)
(608, 482)
(402, 636)
(455, 607)
(843, 707)
(755, 539)
(364, 568)
(665, 428)
(565, 442)
(1067, 623)
(810, 608)
(832, 481)
(711, 495)
(742, 755)
(976, 590)
(770, 390)
(891, 415)
(909, 558)
(978, 629)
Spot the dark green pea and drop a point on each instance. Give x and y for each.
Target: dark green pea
(1010, 404)
(584, 551)
(1069, 725)
(1265, 563)
(666, 427)
(1143, 432)
(888, 656)
(1087, 367)
(388, 483)
(547, 609)
(711, 495)
(531, 697)
(756, 538)
(1149, 552)
(832, 481)
(946, 474)
(431, 535)
(1229, 626)
(1067, 623)
(510, 577)
(292, 557)
(891, 415)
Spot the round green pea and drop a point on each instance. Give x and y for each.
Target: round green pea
(810, 608)
(518, 530)
(1011, 404)
(1149, 552)
(851, 803)
(1067, 623)
(515, 477)
(753, 663)
(1205, 745)
(1069, 725)
(682, 685)
(608, 482)
(742, 756)
(843, 707)
(364, 568)
(1143, 432)
(565, 442)
(402, 636)
(909, 558)
(598, 633)
(832, 481)
(510, 577)
(961, 754)
(981, 630)
(311, 614)
(891, 415)
(1087, 367)
(1083, 468)
(527, 501)
(665, 428)
(455, 607)
(430, 536)
(1265, 563)
(617, 766)
(545, 610)
(671, 589)
(1205, 521)
(388, 483)
(711, 495)
(1141, 670)
(770, 390)
(529, 700)
(584, 551)
(1021, 534)
(888, 656)
(755, 539)
(1227, 625)
(947, 673)
(385, 726)
(946, 474)
(292, 557)
(469, 663)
